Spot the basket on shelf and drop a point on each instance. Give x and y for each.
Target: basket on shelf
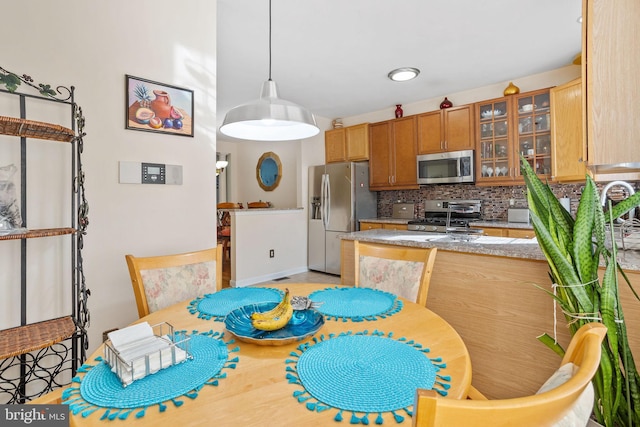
(33, 129)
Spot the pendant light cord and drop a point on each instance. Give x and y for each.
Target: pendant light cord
(269, 40)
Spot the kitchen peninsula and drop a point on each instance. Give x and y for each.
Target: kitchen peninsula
(490, 293)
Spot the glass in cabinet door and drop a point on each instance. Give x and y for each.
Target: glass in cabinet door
(494, 142)
(534, 136)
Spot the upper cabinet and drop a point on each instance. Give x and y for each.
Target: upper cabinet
(511, 127)
(393, 151)
(494, 150)
(533, 131)
(610, 65)
(567, 148)
(449, 129)
(347, 144)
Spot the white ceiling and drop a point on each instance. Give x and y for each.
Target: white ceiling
(333, 56)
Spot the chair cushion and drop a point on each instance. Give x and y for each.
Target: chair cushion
(398, 277)
(583, 408)
(167, 286)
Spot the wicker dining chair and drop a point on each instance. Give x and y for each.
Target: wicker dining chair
(404, 271)
(566, 398)
(160, 281)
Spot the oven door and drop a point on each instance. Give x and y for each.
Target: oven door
(443, 168)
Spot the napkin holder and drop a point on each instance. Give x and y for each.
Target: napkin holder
(166, 349)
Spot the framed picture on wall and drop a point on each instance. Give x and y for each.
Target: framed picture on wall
(158, 107)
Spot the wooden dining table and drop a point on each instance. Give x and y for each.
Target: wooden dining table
(257, 392)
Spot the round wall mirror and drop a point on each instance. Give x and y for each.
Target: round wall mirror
(269, 171)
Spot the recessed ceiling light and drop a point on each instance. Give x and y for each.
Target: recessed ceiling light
(403, 74)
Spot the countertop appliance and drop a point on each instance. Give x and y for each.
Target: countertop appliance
(446, 168)
(459, 213)
(345, 199)
(403, 210)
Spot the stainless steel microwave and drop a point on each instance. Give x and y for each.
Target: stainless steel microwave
(446, 168)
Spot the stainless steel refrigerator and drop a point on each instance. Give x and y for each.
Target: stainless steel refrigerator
(339, 198)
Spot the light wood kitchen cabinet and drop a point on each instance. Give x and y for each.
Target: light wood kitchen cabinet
(392, 155)
(610, 88)
(491, 231)
(394, 226)
(510, 127)
(449, 129)
(347, 144)
(567, 143)
(335, 145)
(365, 225)
(370, 225)
(516, 233)
(521, 233)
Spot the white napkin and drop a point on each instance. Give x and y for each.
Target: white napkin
(160, 356)
(133, 343)
(130, 334)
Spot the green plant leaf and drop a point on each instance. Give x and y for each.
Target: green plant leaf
(625, 205)
(583, 232)
(547, 340)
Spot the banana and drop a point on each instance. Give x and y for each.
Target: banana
(274, 312)
(276, 318)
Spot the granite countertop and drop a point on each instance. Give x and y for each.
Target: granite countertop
(481, 223)
(629, 260)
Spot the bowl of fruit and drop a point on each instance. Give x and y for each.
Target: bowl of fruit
(273, 323)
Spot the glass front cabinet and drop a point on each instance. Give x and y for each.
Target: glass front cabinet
(510, 127)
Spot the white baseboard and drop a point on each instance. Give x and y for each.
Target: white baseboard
(266, 278)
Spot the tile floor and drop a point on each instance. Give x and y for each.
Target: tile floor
(308, 277)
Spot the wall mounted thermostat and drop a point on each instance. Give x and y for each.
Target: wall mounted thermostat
(150, 173)
(153, 173)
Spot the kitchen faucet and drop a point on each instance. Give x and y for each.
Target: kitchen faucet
(630, 189)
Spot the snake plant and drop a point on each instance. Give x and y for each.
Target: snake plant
(574, 249)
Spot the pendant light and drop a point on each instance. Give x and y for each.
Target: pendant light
(269, 118)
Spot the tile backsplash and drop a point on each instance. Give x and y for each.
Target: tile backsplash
(495, 200)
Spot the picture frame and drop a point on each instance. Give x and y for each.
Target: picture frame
(158, 107)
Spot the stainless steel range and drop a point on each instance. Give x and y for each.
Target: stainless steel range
(440, 214)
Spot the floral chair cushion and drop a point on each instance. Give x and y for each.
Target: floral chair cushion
(167, 286)
(398, 277)
(580, 412)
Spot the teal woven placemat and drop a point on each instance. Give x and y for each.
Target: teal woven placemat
(356, 304)
(101, 389)
(364, 374)
(217, 305)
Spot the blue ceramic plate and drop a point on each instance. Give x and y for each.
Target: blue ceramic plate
(303, 324)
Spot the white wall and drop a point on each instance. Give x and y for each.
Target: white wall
(526, 84)
(255, 233)
(294, 155)
(92, 45)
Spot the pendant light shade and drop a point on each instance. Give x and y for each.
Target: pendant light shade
(269, 118)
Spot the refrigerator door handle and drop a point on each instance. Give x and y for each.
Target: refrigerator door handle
(326, 200)
(323, 200)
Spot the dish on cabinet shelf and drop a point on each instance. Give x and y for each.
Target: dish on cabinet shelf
(489, 114)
